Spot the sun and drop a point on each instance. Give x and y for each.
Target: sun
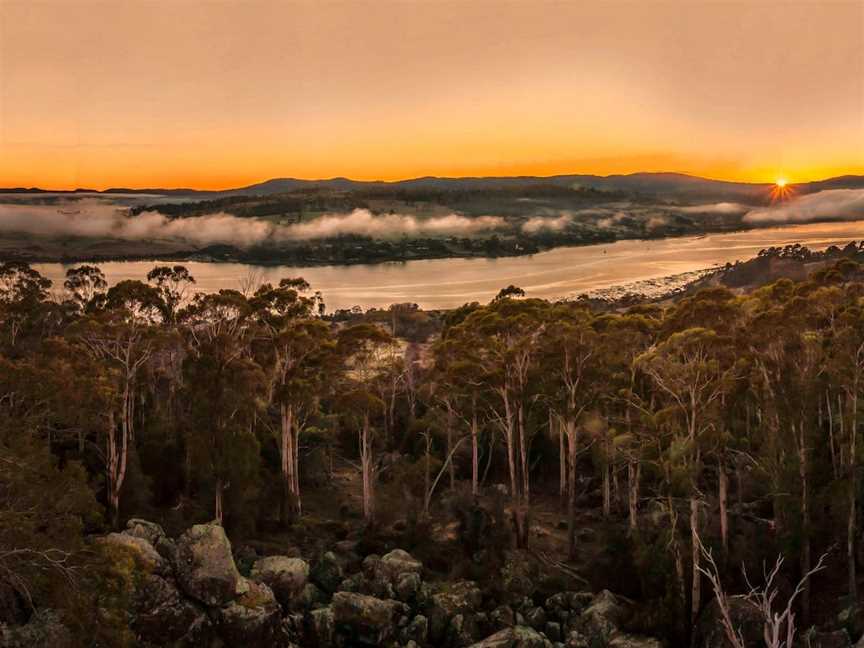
(781, 190)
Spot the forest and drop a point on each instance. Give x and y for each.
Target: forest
(663, 474)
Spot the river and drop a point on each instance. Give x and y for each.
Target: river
(562, 272)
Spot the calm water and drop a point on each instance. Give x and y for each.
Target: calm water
(561, 272)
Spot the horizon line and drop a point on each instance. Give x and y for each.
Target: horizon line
(84, 189)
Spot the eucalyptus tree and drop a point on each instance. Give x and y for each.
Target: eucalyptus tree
(364, 350)
(173, 284)
(627, 391)
(570, 359)
(789, 359)
(120, 339)
(23, 300)
(508, 334)
(846, 370)
(87, 286)
(298, 351)
(225, 390)
(691, 371)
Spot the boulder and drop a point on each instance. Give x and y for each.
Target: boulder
(417, 630)
(145, 554)
(463, 631)
(285, 576)
(518, 574)
(746, 618)
(44, 629)
(395, 563)
(407, 585)
(162, 616)
(833, 639)
(515, 637)
(252, 620)
(205, 567)
(603, 617)
(502, 617)
(320, 628)
(366, 618)
(327, 572)
(149, 531)
(633, 641)
(460, 597)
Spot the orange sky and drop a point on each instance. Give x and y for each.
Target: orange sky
(215, 94)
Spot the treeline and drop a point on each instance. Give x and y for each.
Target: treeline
(690, 419)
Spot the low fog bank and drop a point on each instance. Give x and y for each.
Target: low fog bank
(97, 217)
(832, 204)
(92, 218)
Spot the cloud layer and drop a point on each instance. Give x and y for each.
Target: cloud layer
(833, 204)
(94, 218)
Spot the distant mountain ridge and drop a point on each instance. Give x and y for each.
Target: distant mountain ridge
(666, 183)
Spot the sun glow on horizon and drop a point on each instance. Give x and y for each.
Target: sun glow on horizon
(781, 190)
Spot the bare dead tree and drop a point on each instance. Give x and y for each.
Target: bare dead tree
(778, 629)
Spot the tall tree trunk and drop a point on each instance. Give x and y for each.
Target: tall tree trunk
(696, 589)
(571, 489)
(607, 491)
(853, 492)
(451, 467)
(475, 456)
(218, 505)
(562, 463)
(633, 470)
(367, 470)
(803, 471)
(722, 496)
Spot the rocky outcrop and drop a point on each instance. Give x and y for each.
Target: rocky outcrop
(515, 637)
(205, 567)
(189, 593)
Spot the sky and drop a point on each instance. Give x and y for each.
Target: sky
(218, 94)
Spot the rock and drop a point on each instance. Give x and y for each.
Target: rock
(285, 576)
(632, 641)
(553, 631)
(43, 630)
(835, 639)
(460, 597)
(252, 620)
(397, 562)
(370, 619)
(407, 585)
(515, 637)
(311, 597)
(162, 616)
(517, 575)
(205, 567)
(149, 531)
(745, 617)
(145, 554)
(321, 628)
(370, 565)
(602, 618)
(327, 573)
(536, 617)
(502, 617)
(462, 631)
(355, 583)
(417, 630)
